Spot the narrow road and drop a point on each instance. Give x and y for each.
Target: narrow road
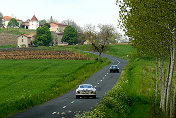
(67, 105)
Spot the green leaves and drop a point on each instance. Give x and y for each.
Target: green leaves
(70, 35)
(43, 36)
(13, 23)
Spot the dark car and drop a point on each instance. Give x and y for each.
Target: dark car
(114, 68)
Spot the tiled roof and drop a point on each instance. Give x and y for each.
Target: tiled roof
(34, 18)
(59, 24)
(7, 18)
(25, 35)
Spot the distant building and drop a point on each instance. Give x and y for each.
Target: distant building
(33, 23)
(6, 20)
(57, 27)
(57, 30)
(24, 40)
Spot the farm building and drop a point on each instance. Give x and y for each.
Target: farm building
(24, 40)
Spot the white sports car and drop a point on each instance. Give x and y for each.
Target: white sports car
(85, 90)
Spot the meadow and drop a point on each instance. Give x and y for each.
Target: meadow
(27, 83)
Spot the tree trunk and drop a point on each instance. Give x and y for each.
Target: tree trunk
(166, 84)
(163, 87)
(99, 56)
(172, 53)
(161, 83)
(173, 105)
(156, 89)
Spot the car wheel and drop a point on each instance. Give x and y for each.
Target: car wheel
(94, 96)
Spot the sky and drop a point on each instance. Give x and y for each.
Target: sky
(81, 11)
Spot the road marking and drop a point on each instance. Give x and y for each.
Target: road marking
(64, 107)
(95, 86)
(119, 62)
(101, 80)
(72, 102)
(98, 83)
(105, 75)
(54, 112)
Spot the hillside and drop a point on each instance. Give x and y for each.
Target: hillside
(9, 37)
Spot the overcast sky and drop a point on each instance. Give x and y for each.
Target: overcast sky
(81, 11)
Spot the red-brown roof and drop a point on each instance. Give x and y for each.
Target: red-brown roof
(59, 24)
(25, 35)
(34, 18)
(19, 20)
(7, 18)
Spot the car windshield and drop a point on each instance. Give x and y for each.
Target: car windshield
(85, 86)
(114, 67)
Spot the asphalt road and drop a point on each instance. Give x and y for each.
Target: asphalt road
(67, 105)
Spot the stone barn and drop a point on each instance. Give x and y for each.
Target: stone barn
(24, 40)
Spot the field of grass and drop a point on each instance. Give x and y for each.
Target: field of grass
(133, 95)
(26, 83)
(17, 31)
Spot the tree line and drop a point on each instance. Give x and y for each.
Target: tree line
(151, 26)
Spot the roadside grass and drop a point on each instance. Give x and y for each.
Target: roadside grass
(27, 83)
(133, 95)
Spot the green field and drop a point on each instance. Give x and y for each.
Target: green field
(26, 83)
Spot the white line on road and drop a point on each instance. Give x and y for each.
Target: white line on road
(95, 86)
(54, 112)
(64, 107)
(101, 80)
(119, 62)
(98, 83)
(72, 102)
(105, 75)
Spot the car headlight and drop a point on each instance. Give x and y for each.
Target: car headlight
(78, 92)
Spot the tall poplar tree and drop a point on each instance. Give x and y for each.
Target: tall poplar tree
(151, 27)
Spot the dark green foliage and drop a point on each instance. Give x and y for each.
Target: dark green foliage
(13, 23)
(43, 36)
(47, 24)
(70, 35)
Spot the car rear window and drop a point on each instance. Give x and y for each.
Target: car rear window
(85, 86)
(114, 66)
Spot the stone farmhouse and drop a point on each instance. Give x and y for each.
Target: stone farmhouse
(24, 40)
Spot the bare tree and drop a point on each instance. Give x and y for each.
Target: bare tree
(100, 39)
(73, 24)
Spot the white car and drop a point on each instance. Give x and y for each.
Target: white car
(85, 90)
